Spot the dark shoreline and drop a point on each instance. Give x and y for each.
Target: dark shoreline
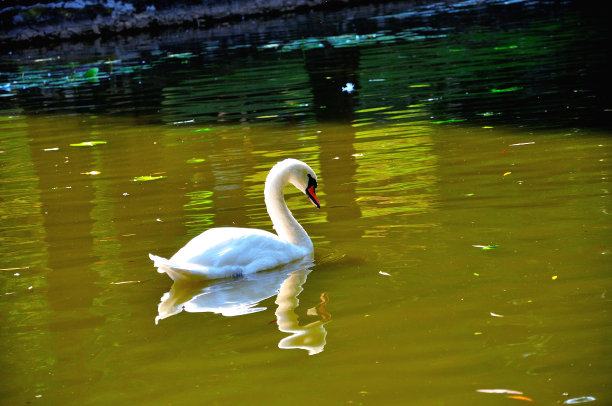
(42, 25)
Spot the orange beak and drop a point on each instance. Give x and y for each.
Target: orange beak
(310, 192)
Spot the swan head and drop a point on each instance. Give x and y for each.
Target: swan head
(303, 177)
(299, 175)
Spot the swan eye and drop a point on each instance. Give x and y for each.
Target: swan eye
(311, 181)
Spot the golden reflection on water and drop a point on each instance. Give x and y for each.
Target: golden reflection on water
(398, 170)
(415, 301)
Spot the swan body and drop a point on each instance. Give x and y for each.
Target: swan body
(232, 251)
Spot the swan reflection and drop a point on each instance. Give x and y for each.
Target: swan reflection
(235, 297)
(310, 337)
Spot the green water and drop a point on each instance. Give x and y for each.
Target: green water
(462, 245)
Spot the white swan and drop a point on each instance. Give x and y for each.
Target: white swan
(231, 251)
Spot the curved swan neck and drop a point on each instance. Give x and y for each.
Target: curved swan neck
(285, 224)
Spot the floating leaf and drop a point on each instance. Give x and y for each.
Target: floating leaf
(147, 178)
(372, 109)
(504, 391)
(88, 143)
(14, 268)
(519, 397)
(507, 173)
(269, 46)
(486, 247)
(453, 120)
(123, 282)
(505, 47)
(91, 73)
(183, 55)
(507, 89)
(582, 399)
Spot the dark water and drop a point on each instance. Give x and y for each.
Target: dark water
(462, 250)
(523, 64)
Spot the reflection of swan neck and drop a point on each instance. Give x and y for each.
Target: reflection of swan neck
(310, 337)
(287, 301)
(285, 224)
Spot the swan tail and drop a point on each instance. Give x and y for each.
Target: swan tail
(164, 265)
(192, 272)
(159, 262)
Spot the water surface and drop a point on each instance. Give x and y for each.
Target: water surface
(462, 245)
